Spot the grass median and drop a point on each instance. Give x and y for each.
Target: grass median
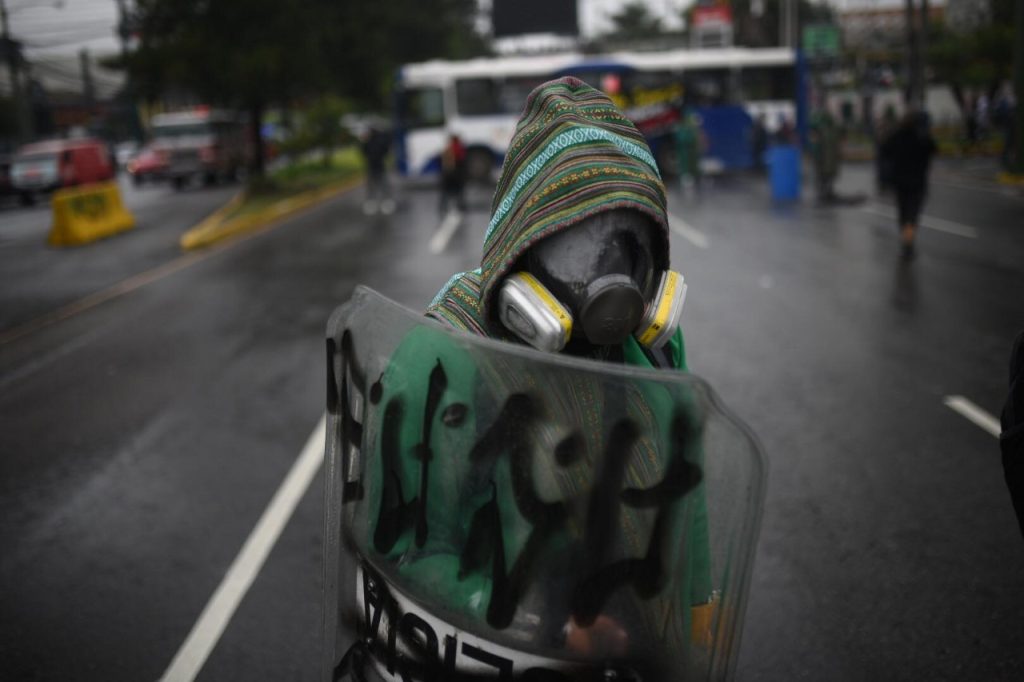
(287, 190)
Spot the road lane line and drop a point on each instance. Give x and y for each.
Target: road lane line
(445, 232)
(243, 571)
(92, 300)
(126, 286)
(969, 410)
(688, 232)
(929, 222)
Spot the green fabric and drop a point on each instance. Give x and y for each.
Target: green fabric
(687, 140)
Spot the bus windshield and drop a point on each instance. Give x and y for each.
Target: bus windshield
(421, 108)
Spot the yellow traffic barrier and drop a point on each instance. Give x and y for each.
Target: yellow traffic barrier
(87, 213)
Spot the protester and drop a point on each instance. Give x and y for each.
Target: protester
(907, 155)
(825, 143)
(758, 141)
(689, 143)
(376, 146)
(453, 174)
(579, 224)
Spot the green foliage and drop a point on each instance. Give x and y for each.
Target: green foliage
(246, 52)
(230, 52)
(370, 39)
(982, 59)
(320, 128)
(252, 54)
(634, 22)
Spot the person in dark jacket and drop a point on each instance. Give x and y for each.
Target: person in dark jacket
(1011, 441)
(907, 155)
(376, 146)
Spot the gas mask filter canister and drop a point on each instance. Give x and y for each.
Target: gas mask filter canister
(531, 312)
(597, 282)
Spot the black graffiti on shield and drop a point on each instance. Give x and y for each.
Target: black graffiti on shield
(508, 436)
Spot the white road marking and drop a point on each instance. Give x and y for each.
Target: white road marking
(445, 231)
(929, 222)
(974, 413)
(688, 232)
(218, 612)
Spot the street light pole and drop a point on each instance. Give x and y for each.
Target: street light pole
(12, 70)
(1018, 89)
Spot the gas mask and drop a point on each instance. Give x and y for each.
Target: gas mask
(595, 281)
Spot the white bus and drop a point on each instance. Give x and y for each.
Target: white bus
(481, 99)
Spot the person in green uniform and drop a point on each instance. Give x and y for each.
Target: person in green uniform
(825, 150)
(689, 143)
(576, 261)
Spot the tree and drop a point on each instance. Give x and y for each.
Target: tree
(252, 54)
(373, 38)
(247, 54)
(981, 59)
(634, 22)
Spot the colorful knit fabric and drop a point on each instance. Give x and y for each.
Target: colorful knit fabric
(573, 155)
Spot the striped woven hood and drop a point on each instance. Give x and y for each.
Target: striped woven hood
(573, 155)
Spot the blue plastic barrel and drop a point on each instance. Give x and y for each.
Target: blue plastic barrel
(784, 172)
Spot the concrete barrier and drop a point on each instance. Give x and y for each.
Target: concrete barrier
(87, 213)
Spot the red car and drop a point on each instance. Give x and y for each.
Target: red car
(149, 164)
(46, 166)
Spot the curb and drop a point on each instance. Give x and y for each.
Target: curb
(215, 228)
(1012, 179)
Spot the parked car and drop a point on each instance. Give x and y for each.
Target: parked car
(202, 144)
(46, 166)
(148, 165)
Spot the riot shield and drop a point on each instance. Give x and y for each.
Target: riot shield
(498, 513)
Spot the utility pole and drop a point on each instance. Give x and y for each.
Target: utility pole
(922, 53)
(12, 51)
(787, 23)
(1018, 89)
(88, 91)
(124, 32)
(912, 87)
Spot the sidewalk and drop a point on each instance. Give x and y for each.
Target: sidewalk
(974, 173)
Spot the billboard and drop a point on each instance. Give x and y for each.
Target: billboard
(516, 17)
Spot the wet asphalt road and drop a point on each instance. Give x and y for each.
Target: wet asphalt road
(143, 437)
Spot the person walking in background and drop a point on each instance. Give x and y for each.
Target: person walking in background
(907, 155)
(825, 139)
(758, 142)
(453, 174)
(689, 141)
(376, 146)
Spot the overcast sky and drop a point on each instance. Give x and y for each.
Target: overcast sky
(66, 26)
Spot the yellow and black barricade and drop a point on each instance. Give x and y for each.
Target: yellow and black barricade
(87, 213)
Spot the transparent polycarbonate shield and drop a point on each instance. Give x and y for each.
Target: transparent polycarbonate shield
(494, 512)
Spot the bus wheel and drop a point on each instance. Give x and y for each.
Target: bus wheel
(479, 165)
(178, 182)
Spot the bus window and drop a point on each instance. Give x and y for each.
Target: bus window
(477, 97)
(707, 87)
(422, 108)
(515, 90)
(759, 83)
